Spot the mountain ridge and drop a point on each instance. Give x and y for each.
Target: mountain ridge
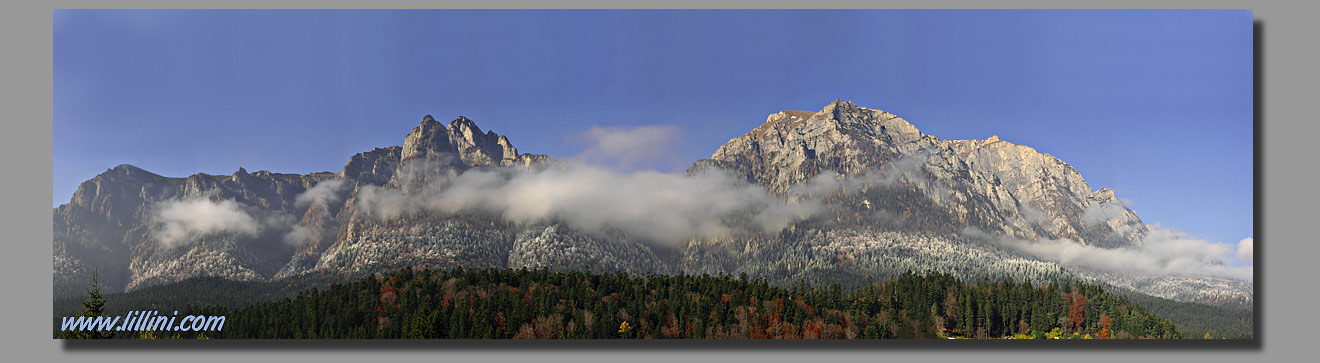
(910, 190)
(791, 148)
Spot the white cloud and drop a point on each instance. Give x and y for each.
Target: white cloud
(1035, 216)
(1162, 252)
(299, 235)
(384, 203)
(177, 221)
(648, 205)
(629, 148)
(322, 194)
(1103, 212)
(1246, 250)
(907, 169)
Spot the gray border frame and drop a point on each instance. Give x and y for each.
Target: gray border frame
(26, 142)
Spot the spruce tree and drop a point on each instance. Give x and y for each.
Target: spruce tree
(93, 307)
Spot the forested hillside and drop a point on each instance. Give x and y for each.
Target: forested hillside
(500, 303)
(1201, 320)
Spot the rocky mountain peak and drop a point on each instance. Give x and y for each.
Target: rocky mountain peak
(831, 116)
(839, 105)
(373, 167)
(428, 140)
(461, 143)
(241, 177)
(114, 195)
(972, 180)
(125, 169)
(898, 188)
(122, 173)
(462, 123)
(428, 126)
(470, 134)
(794, 146)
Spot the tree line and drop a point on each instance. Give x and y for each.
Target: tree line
(504, 303)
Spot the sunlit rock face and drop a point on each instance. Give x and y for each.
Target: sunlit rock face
(892, 199)
(991, 184)
(112, 225)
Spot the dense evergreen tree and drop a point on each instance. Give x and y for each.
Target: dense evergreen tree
(93, 306)
(499, 303)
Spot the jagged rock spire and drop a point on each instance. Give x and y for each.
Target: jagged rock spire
(461, 143)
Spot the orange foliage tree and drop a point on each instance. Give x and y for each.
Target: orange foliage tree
(1104, 326)
(1077, 312)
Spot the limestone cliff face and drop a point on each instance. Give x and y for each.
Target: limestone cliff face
(108, 225)
(989, 184)
(913, 183)
(794, 146)
(374, 167)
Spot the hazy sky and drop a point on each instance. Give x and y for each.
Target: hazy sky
(1155, 104)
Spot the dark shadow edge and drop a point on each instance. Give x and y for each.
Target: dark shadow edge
(652, 345)
(1258, 173)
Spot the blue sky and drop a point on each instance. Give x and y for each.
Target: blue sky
(1155, 104)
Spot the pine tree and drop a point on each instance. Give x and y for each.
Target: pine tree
(93, 307)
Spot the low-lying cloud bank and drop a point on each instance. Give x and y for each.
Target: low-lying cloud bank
(1162, 252)
(648, 205)
(1103, 212)
(906, 169)
(178, 221)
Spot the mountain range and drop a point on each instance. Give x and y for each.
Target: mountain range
(842, 194)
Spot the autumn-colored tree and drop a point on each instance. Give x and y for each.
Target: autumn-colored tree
(951, 307)
(500, 322)
(525, 332)
(1104, 326)
(773, 324)
(939, 320)
(670, 329)
(493, 304)
(546, 327)
(758, 332)
(792, 331)
(811, 329)
(1077, 312)
(850, 329)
